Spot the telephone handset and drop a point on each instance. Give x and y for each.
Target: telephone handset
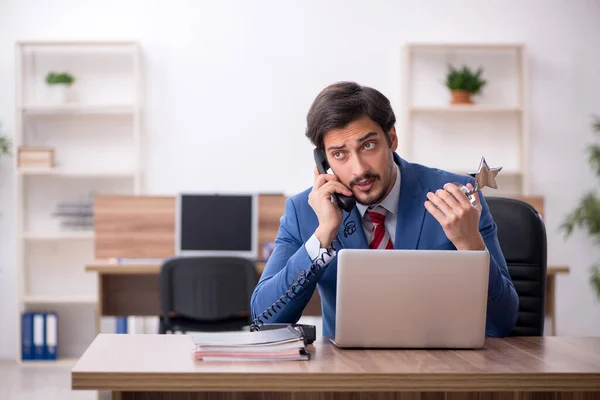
(346, 203)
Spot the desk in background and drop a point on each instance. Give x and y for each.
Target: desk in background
(125, 290)
(144, 227)
(161, 367)
(133, 290)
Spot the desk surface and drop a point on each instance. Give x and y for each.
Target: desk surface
(165, 363)
(109, 267)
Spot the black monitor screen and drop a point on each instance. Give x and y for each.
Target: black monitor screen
(216, 223)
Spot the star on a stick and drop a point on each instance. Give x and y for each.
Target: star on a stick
(485, 175)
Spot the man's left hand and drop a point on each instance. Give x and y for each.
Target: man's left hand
(457, 216)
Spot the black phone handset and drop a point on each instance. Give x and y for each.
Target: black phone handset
(346, 203)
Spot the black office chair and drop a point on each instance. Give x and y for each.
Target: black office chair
(522, 237)
(206, 293)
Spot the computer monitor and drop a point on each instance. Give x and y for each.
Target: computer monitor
(217, 225)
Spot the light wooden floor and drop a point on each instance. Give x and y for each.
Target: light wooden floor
(19, 382)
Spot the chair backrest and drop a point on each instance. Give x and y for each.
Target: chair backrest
(206, 288)
(522, 238)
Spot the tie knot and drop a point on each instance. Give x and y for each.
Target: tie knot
(377, 214)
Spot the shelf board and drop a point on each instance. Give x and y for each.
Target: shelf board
(504, 172)
(77, 43)
(465, 46)
(59, 171)
(55, 236)
(60, 362)
(102, 109)
(59, 299)
(558, 269)
(475, 108)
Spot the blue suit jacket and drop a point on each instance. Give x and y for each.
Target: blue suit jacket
(415, 229)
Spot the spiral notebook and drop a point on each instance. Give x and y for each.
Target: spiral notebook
(285, 344)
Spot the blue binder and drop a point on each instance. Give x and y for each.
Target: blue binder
(27, 352)
(121, 324)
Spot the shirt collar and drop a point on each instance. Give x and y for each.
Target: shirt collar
(390, 202)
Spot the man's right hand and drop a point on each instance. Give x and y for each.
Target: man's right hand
(328, 212)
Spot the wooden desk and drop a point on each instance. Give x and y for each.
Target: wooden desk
(162, 367)
(133, 290)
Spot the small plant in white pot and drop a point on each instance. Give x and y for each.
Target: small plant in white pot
(59, 84)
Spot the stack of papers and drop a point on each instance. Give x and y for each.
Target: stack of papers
(285, 344)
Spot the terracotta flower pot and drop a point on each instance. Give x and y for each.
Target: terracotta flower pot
(461, 97)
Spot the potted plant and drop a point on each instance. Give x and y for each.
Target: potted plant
(5, 144)
(587, 213)
(58, 86)
(463, 83)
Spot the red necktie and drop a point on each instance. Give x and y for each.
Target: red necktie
(381, 238)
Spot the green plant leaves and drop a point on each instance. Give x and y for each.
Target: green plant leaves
(465, 79)
(586, 215)
(594, 157)
(54, 78)
(595, 278)
(4, 146)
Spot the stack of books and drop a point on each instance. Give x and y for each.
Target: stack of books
(284, 344)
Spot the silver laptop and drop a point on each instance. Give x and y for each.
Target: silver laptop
(411, 298)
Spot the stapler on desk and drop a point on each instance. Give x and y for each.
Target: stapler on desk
(309, 331)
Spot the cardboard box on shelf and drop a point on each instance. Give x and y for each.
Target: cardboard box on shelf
(36, 157)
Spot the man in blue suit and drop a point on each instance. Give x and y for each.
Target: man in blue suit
(400, 205)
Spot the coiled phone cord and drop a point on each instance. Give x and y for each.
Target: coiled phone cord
(303, 278)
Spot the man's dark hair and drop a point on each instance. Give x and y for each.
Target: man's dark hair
(341, 103)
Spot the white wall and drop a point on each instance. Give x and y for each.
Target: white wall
(228, 84)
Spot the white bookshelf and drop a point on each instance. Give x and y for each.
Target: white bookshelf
(97, 145)
(60, 299)
(103, 109)
(77, 172)
(460, 108)
(55, 236)
(455, 137)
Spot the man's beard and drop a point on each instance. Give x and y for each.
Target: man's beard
(369, 176)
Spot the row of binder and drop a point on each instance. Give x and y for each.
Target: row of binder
(40, 335)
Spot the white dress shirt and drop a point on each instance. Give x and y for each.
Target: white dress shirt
(390, 203)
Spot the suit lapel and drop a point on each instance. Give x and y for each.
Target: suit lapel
(411, 208)
(351, 233)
